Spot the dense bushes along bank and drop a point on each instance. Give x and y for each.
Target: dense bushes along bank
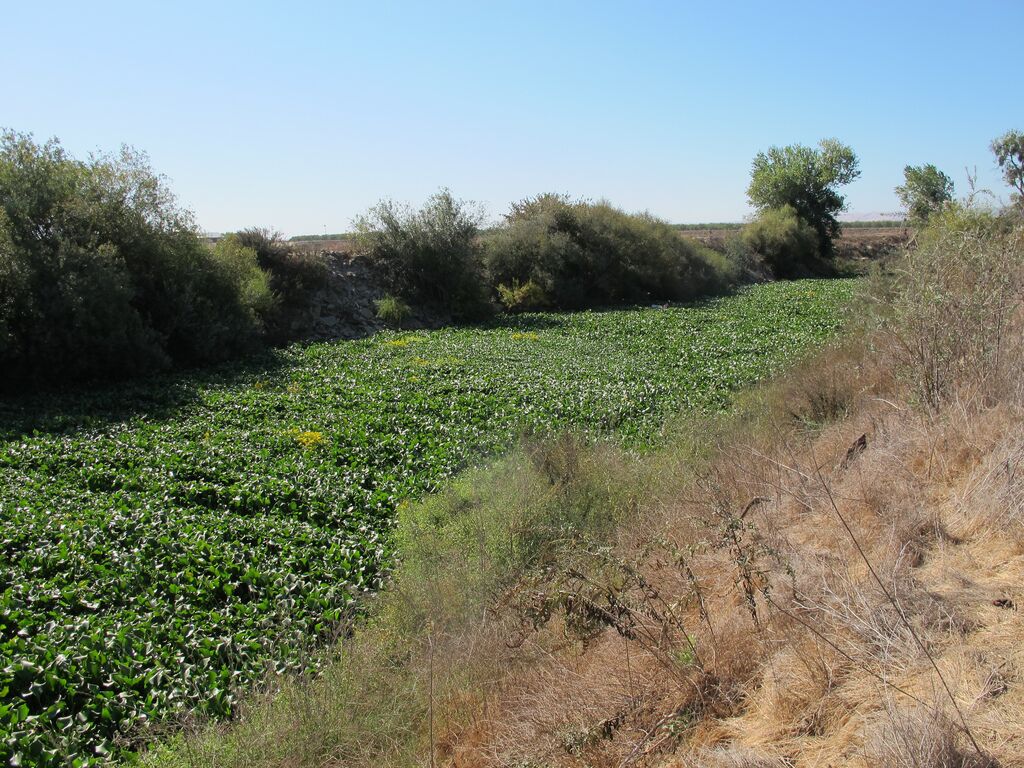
(550, 251)
(104, 276)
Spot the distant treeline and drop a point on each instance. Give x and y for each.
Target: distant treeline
(725, 225)
(709, 225)
(879, 224)
(320, 238)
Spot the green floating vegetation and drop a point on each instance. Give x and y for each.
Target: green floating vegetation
(166, 544)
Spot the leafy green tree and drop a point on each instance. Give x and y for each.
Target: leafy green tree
(103, 275)
(925, 190)
(1009, 152)
(806, 179)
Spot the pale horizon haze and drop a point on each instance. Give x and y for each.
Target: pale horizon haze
(302, 116)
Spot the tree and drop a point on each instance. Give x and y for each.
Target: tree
(1009, 152)
(431, 256)
(924, 191)
(805, 178)
(103, 274)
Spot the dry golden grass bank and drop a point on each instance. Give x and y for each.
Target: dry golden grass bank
(755, 632)
(833, 575)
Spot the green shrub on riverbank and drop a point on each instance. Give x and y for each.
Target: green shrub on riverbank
(103, 276)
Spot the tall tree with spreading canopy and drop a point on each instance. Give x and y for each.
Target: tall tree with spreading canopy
(805, 178)
(925, 190)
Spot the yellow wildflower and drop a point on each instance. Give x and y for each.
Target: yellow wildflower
(307, 439)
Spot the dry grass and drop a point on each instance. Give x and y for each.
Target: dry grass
(800, 669)
(802, 657)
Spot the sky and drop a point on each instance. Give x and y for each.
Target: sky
(302, 115)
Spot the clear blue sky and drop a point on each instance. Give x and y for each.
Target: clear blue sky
(301, 115)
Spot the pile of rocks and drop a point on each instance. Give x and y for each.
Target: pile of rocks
(344, 307)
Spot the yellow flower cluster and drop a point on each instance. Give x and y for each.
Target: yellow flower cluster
(405, 341)
(307, 440)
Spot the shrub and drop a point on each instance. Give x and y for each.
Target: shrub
(952, 302)
(268, 245)
(431, 256)
(522, 297)
(725, 269)
(748, 262)
(240, 266)
(785, 242)
(293, 274)
(392, 310)
(103, 275)
(582, 254)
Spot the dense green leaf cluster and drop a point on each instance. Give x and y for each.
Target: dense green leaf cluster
(925, 190)
(582, 254)
(807, 180)
(166, 544)
(103, 275)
